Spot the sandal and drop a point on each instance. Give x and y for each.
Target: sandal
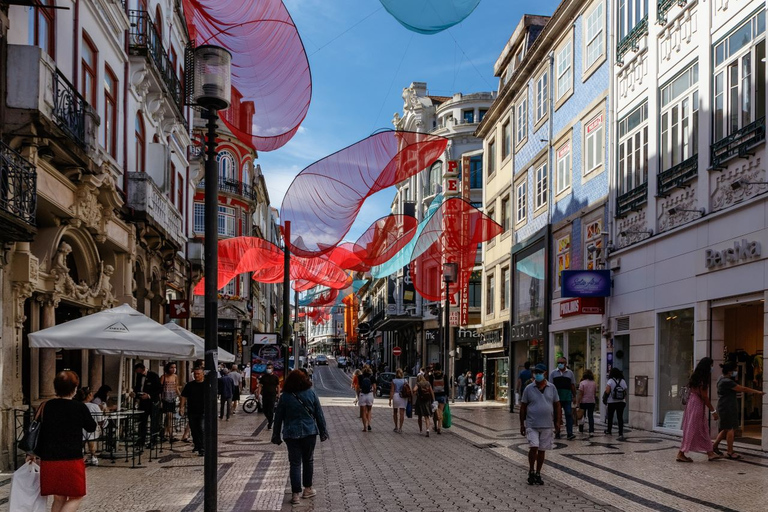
(717, 451)
(733, 456)
(684, 459)
(716, 457)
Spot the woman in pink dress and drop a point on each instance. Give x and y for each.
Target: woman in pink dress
(695, 422)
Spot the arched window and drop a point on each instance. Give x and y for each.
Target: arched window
(42, 27)
(159, 22)
(110, 112)
(247, 173)
(140, 143)
(226, 166)
(435, 178)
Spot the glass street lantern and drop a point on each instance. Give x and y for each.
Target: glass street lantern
(213, 77)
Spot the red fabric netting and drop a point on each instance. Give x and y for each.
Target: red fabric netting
(271, 80)
(325, 198)
(385, 238)
(451, 235)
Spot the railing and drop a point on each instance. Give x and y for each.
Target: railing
(234, 187)
(738, 143)
(145, 197)
(68, 108)
(631, 41)
(18, 189)
(632, 200)
(677, 176)
(663, 8)
(145, 40)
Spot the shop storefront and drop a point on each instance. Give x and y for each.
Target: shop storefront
(495, 365)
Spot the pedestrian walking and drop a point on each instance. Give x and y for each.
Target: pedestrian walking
(237, 379)
(268, 387)
(366, 388)
(462, 383)
(193, 407)
(439, 383)
(169, 382)
(479, 386)
(226, 391)
(586, 400)
(524, 378)
(60, 444)
(85, 395)
(424, 398)
(615, 399)
(469, 392)
(540, 413)
(565, 382)
(147, 391)
(300, 419)
(398, 399)
(728, 407)
(695, 422)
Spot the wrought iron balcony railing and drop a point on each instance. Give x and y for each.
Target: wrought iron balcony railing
(677, 176)
(739, 143)
(663, 8)
(632, 200)
(18, 196)
(234, 187)
(145, 40)
(631, 41)
(68, 108)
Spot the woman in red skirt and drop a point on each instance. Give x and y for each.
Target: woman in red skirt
(60, 445)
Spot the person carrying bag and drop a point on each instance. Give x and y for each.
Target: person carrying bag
(25, 489)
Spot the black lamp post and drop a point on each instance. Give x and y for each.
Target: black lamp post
(450, 271)
(212, 91)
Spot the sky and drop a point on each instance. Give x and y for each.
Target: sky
(361, 58)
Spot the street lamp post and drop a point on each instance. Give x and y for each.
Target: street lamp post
(450, 271)
(212, 91)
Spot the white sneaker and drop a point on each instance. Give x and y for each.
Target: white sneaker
(309, 493)
(94, 461)
(296, 498)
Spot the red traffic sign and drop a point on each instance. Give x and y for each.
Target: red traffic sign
(396, 351)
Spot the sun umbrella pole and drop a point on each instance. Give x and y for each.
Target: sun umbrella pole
(120, 381)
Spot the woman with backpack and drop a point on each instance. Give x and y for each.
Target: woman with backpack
(424, 398)
(615, 397)
(399, 393)
(439, 382)
(366, 387)
(695, 422)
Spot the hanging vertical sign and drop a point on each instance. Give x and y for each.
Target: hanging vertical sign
(465, 194)
(409, 291)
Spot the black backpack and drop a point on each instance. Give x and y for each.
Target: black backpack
(619, 393)
(365, 384)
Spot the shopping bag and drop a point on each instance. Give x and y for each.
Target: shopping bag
(25, 490)
(434, 406)
(409, 409)
(447, 416)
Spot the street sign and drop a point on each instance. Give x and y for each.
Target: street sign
(396, 351)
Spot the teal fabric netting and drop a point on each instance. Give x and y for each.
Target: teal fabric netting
(429, 16)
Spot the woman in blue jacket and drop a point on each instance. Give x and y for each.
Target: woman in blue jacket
(300, 419)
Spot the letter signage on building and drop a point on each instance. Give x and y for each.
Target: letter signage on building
(586, 283)
(582, 306)
(527, 331)
(740, 252)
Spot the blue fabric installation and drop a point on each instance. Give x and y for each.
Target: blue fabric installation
(429, 16)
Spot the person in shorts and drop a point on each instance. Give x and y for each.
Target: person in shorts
(539, 415)
(237, 378)
(366, 387)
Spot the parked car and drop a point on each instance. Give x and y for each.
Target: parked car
(341, 361)
(384, 383)
(321, 359)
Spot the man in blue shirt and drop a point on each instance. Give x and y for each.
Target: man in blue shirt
(226, 391)
(539, 415)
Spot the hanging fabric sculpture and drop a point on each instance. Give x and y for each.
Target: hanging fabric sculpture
(271, 80)
(429, 16)
(325, 198)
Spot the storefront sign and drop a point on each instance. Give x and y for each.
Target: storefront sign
(265, 339)
(739, 253)
(586, 283)
(526, 331)
(467, 335)
(582, 306)
(179, 308)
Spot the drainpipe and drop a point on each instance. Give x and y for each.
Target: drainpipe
(125, 119)
(610, 204)
(76, 44)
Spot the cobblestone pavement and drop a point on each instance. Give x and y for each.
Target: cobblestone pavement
(479, 464)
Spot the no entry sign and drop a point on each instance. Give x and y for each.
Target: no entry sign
(396, 351)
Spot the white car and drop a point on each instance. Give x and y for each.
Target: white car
(321, 359)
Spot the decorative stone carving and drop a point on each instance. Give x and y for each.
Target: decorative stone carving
(749, 170)
(677, 33)
(636, 227)
(22, 292)
(410, 98)
(684, 200)
(65, 286)
(397, 121)
(632, 74)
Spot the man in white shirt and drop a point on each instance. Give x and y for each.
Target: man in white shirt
(539, 415)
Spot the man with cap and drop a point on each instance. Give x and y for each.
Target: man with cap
(539, 415)
(565, 382)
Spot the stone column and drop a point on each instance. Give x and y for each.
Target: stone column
(47, 356)
(34, 355)
(95, 369)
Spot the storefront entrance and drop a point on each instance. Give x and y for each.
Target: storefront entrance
(497, 379)
(582, 349)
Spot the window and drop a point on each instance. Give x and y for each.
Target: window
(475, 290)
(110, 112)
(179, 192)
(563, 256)
(243, 286)
(435, 178)
(468, 116)
(42, 27)
(491, 157)
(247, 173)
(740, 77)
(506, 214)
(680, 118)
(521, 192)
(476, 172)
(563, 167)
(244, 223)
(159, 22)
(226, 166)
(594, 143)
(506, 147)
(492, 213)
(594, 35)
(482, 113)
(140, 143)
(230, 289)
(564, 68)
(633, 150)
(541, 97)
(490, 295)
(199, 218)
(675, 358)
(522, 121)
(541, 186)
(631, 12)
(593, 245)
(504, 288)
(89, 65)
(227, 221)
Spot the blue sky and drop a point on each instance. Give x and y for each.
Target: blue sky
(361, 59)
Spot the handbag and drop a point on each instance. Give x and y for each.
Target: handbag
(685, 394)
(25, 490)
(447, 416)
(28, 442)
(409, 410)
(323, 436)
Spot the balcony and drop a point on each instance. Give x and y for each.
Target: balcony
(145, 41)
(18, 197)
(663, 8)
(632, 201)
(677, 176)
(631, 41)
(234, 187)
(154, 207)
(738, 143)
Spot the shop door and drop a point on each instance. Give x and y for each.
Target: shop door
(621, 361)
(490, 379)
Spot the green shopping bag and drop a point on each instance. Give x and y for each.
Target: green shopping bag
(447, 416)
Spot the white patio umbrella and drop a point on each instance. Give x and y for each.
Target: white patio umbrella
(224, 356)
(119, 331)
